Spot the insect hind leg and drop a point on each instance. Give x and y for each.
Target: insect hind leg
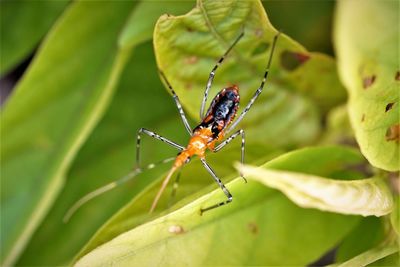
(105, 188)
(227, 141)
(221, 185)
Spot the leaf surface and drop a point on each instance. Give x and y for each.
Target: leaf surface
(368, 66)
(357, 241)
(109, 152)
(359, 197)
(22, 25)
(371, 256)
(48, 117)
(259, 218)
(187, 48)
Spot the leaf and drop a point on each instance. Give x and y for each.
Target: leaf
(136, 211)
(22, 25)
(371, 256)
(259, 219)
(391, 260)
(51, 113)
(358, 241)
(368, 66)
(109, 151)
(394, 216)
(338, 128)
(107, 155)
(359, 197)
(187, 48)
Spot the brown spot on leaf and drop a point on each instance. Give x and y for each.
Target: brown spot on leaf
(389, 107)
(363, 117)
(253, 227)
(368, 81)
(191, 60)
(393, 133)
(188, 86)
(258, 33)
(397, 77)
(292, 60)
(176, 229)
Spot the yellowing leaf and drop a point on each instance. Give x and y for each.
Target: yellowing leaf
(360, 197)
(367, 44)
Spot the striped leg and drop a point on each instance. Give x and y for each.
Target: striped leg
(156, 136)
(212, 74)
(227, 141)
(178, 104)
(259, 90)
(221, 185)
(105, 188)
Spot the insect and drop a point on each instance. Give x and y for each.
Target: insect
(215, 124)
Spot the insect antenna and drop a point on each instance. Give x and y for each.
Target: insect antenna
(101, 190)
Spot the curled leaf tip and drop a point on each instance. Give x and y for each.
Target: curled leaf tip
(364, 197)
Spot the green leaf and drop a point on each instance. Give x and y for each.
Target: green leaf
(359, 197)
(260, 219)
(187, 48)
(109, 152)
(136, 211)
(395, 216)
(51, 113)
(107, 155)
(22, 25)
(371, 256)
(391, 260)
(358, 241)
(338, 128)
(368, 66)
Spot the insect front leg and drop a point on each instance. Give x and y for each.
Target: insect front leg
(259, 90)
(212, 74)
(227, 141)
(178, 103)
(156, 136)
(221, 185)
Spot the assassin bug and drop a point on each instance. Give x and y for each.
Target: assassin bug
(215, 124)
